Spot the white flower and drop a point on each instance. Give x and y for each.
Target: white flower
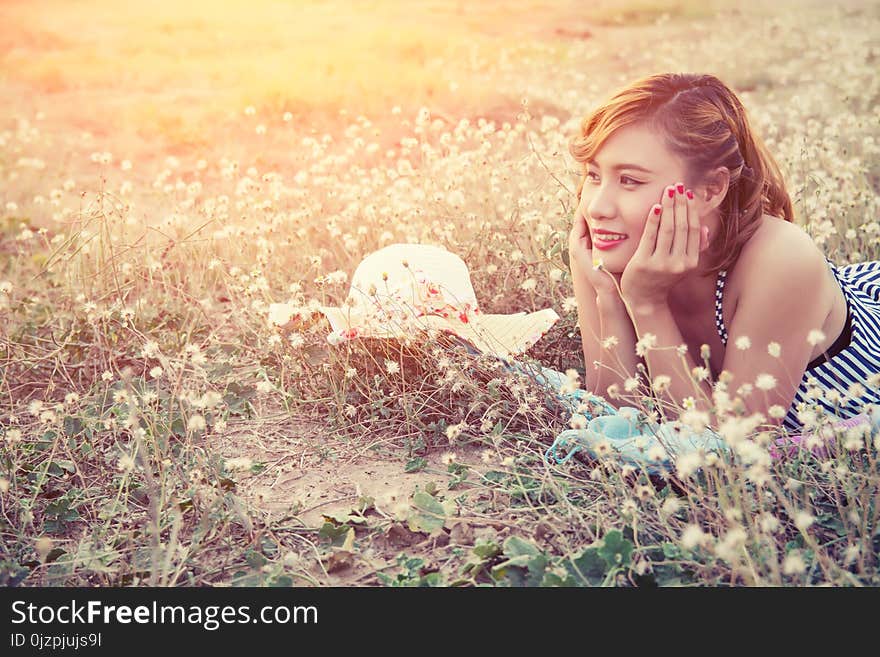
(776, 411)
(730, 547)
(743, 342)
(529, 284)
(670, 506)
(632, 383)
(210, 399)
(765, 381)
(856, 390)
(12, 436)
(696, 420)
(774, 349)
(453, 431)
(647, 341)
(833, 396)
(803, 520)
(661, 383)
(851, 554)
(610, 341)
(815, 337)
(657, 453)
(769, 523)
(280, 313)
(688, 463)
(196, 423)
(392, 366)
(692, 536)
(700, 373)
(156, 372)
(794, 563)
(744, 390)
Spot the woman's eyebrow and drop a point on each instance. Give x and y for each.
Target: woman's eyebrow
(618, 167)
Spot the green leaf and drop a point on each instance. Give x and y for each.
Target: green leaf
(486, 551)
(522, 555)
(552, 579)
(589, 564)
(73, 426)
(671, 551)
(515, 546)
(616, 550)
(415, 465)
(254, 559)
(428, 515)
(334, 533)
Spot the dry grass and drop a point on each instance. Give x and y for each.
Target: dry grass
(157, 429)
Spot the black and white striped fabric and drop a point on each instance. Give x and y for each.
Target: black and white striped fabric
(854, 363)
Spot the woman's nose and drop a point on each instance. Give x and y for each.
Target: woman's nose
(600, 205)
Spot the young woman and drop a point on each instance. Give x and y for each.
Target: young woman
(684, 235)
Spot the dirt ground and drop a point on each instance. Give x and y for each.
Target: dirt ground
(309, 473)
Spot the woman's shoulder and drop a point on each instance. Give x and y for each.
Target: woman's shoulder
(778, 250)
(775, 243)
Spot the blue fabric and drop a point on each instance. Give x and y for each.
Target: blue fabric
(625, 433)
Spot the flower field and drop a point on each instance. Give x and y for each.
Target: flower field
(181, 189)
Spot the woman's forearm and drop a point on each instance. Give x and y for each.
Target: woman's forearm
(601, 318)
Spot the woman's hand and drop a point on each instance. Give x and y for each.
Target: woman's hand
(580, 254)
(668, 251)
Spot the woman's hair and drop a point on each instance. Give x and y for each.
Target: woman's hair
(704, 124)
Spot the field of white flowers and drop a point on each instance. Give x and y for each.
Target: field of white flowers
(166, 178)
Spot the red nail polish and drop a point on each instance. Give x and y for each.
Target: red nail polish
(671, 192)
(680, 189)
(658, 209)
(690, 194)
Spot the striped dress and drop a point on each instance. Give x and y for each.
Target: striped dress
(854, 356)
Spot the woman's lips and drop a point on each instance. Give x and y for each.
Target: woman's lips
(604, 245)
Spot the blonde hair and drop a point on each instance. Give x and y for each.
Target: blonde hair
(705, 125)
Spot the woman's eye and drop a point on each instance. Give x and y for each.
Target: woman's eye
(626, 179)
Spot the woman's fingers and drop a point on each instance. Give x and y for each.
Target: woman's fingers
(695, 227)
(666, 229)
(645, 249)
(683, 224)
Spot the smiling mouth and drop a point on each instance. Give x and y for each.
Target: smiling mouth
(607, 242)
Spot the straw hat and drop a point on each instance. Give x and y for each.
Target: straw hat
(405, 287)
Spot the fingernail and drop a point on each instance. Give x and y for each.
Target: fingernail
(658, 209)
(671, 192)
(680, 189)
(690, 194)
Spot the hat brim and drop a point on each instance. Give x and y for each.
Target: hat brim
(499, 335)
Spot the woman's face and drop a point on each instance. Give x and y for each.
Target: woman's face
(629, 175)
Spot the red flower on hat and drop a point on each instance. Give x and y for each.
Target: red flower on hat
(349, 334)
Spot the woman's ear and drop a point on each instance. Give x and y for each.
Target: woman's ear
(715, 188)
